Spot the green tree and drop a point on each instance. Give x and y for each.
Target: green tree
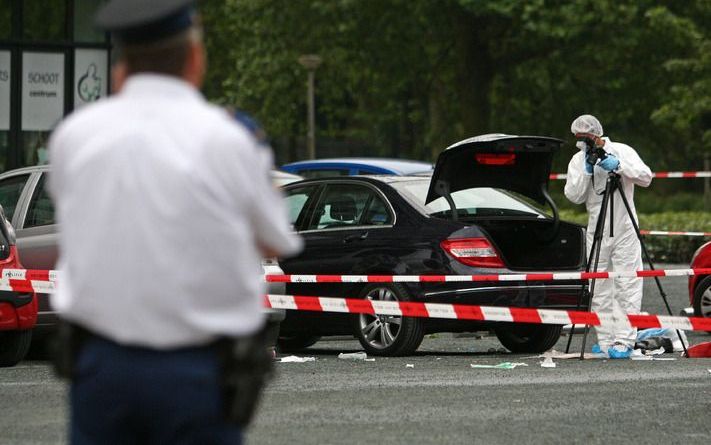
(407, 78)
(687, 108)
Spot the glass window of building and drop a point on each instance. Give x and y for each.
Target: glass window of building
(5, 19)
(4, 150)
(84, 29)
(5, 94)
(44, 20)
(52, 61)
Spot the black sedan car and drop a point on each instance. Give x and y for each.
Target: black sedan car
(479, 213)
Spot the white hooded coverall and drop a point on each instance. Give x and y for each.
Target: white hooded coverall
(621, 252)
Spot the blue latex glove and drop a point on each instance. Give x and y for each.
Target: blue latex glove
(588, 166)
(610, 163)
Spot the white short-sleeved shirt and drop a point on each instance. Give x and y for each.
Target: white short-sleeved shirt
(162, 200)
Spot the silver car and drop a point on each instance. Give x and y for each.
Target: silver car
(27, 204)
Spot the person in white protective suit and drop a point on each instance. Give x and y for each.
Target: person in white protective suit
(586, 184)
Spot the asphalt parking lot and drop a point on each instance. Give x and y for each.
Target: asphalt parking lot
(436, 396)
(442, 399)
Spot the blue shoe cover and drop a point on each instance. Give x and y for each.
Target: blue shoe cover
(596, 349)
(619, 351)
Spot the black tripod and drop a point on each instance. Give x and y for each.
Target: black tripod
(612, 185)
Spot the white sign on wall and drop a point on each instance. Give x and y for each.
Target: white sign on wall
(5, 65)
(42, 90)
(90, 75)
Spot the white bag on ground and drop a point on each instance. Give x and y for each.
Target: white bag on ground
(669, 333)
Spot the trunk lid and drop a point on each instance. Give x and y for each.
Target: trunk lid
(520, 164)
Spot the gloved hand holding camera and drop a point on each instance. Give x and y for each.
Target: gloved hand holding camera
(596, 155)
(610, 163)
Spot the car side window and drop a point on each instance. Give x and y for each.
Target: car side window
(349, 205)
(377, 213)
(296, 200)
(41, 209)
(10, 191)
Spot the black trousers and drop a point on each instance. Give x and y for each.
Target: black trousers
(129, 395)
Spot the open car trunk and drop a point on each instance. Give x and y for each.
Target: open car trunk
(534, 244)
(519, 164)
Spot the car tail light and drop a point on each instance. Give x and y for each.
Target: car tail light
(477, 252)
(495, 159)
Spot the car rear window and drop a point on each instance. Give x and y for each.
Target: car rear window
(474, 202)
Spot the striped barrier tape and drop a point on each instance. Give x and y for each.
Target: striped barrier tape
(440, 310)
(46, 279)
(436, 310)
(702, 174)
(482, 313)
(555, 276)
(30, 274)
(24, 286)
(673, 233)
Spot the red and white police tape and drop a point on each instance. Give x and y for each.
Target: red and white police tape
(43, 281)
(482, 313)
(45, 278)
(703, 174)
(673, 233)
(493, 277)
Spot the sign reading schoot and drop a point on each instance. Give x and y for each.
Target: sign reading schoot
(42, 90)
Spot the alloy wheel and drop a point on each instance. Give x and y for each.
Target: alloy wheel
(380, 331)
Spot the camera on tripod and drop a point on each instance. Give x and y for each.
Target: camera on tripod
(593, 153)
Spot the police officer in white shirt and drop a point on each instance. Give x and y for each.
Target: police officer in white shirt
(165, 208)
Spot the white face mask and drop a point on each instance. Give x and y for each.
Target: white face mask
(581, 145)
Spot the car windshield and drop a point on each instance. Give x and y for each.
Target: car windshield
(474, 202)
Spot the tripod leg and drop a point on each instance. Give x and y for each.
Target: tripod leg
(595, 245)
(649, 261)
(595, 250)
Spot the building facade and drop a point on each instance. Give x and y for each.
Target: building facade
(52, 61)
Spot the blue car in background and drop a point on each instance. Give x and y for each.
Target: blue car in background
(320, 168)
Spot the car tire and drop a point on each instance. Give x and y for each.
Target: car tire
(528, 338)
(14, 346)
(702, 298)
(387, 335)
(296, 342)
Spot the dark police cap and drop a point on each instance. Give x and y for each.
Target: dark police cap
(145, 21)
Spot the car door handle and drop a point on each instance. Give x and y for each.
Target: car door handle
(355, 237)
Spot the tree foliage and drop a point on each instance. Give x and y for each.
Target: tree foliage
(409, 77)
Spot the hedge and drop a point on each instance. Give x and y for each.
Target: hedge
(665, 249)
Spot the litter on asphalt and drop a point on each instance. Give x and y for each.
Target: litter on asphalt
(353, 356)
(504, 365)
(561, 355)
(548, 363)
(671, 334)
(296, 359)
